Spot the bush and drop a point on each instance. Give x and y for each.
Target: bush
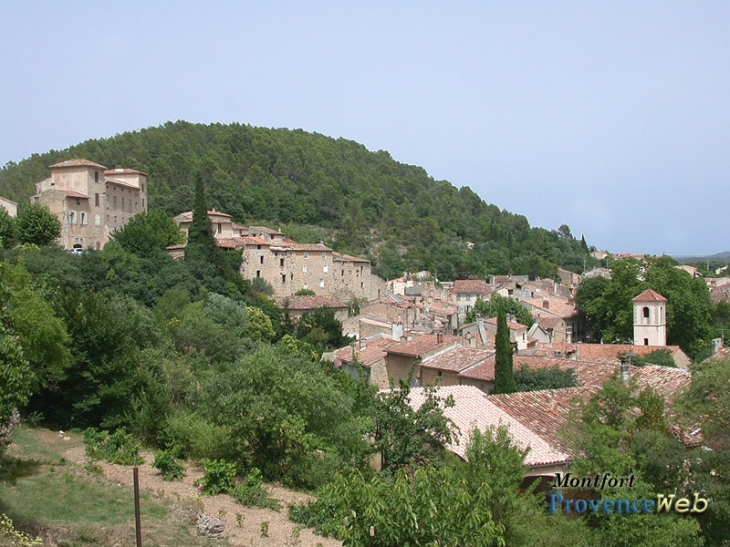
(219, 475)
(251, 493)
(166, 463)
(118, 447)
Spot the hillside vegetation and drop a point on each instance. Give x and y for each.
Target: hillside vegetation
(358, 201)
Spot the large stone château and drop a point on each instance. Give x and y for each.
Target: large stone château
(91, 201)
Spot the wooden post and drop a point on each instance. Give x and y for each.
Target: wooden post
(137, 519)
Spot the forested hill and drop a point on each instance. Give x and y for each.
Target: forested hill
(361, 202)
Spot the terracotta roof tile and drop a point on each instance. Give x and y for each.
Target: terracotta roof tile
(347, 258)
(124, 172)
(473, 409)
(123, 183)
(472, 286)
(456, 359)
(511, 324)
(600, 352)
(77, 162)
(72, 194)
(375, 350)
(649, 296)
(420, 345)
(483, 371)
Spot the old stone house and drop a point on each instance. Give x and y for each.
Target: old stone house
(91, 201)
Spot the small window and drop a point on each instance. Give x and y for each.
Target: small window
(220, 228)
(258, 273)
(325, 268)
(114, 201)
(324, 255)
(258, 247)
(305, 286)
(646, 341)
(96, 176)
(646, 312)
(306, 254)
(261, 259)
(281, 262)
(321, 283)
(96, 199)
(291, 276)
(343, 273)
(283, 278)
(97, 220)
(83, 218)
(304, 269)
(72, 217)
(362, 284)
(122, 204)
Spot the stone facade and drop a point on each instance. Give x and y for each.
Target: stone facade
(10, 206)
(91, 201)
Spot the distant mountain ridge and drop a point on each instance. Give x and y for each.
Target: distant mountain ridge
(719, 257)
(316, 187)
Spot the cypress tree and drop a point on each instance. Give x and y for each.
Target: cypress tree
(201, 242)
(503, 378)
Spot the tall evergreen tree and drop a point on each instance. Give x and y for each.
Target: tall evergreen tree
(504, 381)
(201, 242)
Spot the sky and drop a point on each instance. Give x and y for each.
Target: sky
(610, 117)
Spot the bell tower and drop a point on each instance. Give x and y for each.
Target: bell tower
(650, 319)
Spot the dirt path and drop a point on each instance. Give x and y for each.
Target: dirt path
(182, 494)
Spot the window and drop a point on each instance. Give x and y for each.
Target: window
(304, 269)
(143, 186)
(142, 203)
(325, 268)
(283, 278)
(646, 312)
(97, 220)
(291, 276)
(83, 218)
(281, 262)
(114, 202)
(343, 273)
(122, 204)
(96, 199)
(96, 176)
(72, 217)
(258, 273)
(646, 341)
(362, 284)
(306, 254)
(261, 259)
(305, 286)
(220, 227)
(321, 283)
(324, 255)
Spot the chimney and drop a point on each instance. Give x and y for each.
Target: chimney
(546, 303)
(716, 345)
(624, 368)
(439, 338)
(363, 344)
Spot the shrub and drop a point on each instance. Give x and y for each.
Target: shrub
(118, 447)
(219, 475)
(251, 493)
(166, 463)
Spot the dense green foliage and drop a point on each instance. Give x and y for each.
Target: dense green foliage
(607, 307)
(504, 381)
(489, 308)
(529, 379)
(368, 203)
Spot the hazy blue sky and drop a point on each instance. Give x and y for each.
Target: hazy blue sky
(611, 117)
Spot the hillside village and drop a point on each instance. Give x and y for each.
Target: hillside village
(416, 329)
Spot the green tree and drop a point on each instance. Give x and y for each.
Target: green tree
(201, 240)
(37, 225)
(489, 308)
(529, 379)
(8, 229)
(148, 233)
(503, 373)
(407, 436)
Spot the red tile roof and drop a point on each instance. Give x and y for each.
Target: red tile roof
(600, 352)
(456, 359)
(123, 183)
(472, 286)
(72, 194)
(124, 172)
(649, 296)
(473, 409)
(265, 230)
(483, 371)
(420, 345)
(78, 162)
(375, 350)
(347, 258)
(511, 324)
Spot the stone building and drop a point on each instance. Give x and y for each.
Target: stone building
(91, 201)
(289, 266)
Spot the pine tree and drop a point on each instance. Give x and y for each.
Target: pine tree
(503, 378)
(201, 242)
